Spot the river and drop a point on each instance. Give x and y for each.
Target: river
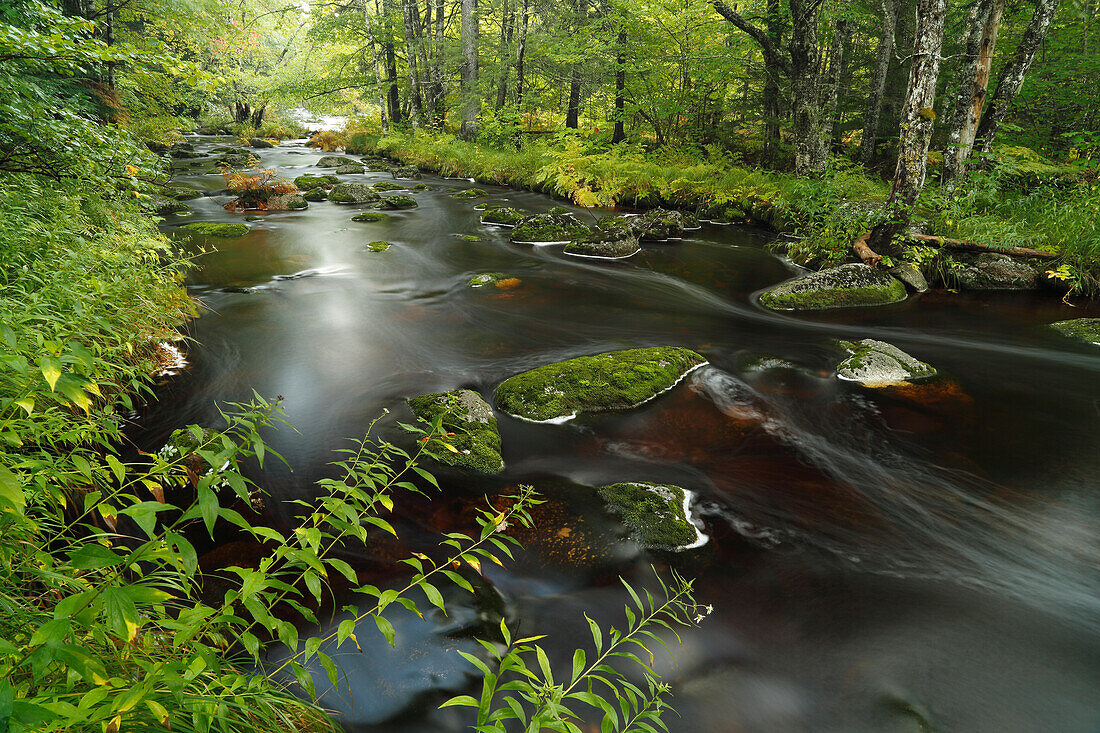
(923, 559)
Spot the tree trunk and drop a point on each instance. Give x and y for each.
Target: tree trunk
(438, 93)
(521, 49)
(973, 83)
(415, 102)
(507, 21)
(878, 82)
(376, 67)
(1012, 75)
(916, 123)
(393, 99)
(831, 89)
(573, 111)
(620, 88)
(805, 56)
(471, 100)
(774, 29)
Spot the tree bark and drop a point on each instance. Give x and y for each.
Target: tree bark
(393, 98)
(415, 102)
(521, 49)
(376, 67)
(809, 155)
(878, 82)
(1012, 75)
(620, 88)
(916, 123)
(973, 84)
(573, 111)
(830, 107)
(471, 99)
(507, 22)
(774, 30)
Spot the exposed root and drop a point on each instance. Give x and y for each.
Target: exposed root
(864, 251)
(872, 258)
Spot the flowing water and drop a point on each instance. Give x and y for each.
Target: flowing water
(913, 559)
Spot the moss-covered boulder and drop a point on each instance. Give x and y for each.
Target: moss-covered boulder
(315, 194)
(423, 187)
(615, 380)
(660, 225)
(989, 271)
(292, 201)
(397, 201)
(216, 229)
(911, 275)
(547, 228)
(181, 193)
(487, 278)
(611, 244)
(503, 216)
(180, 154)
(654, 513)
(1082, 329)
(469, 238)
(247, 159)
(350, 169)
(405, 171)
(164, 205)
(879, 364)
(335, 161)
(309, 182)
(837, 287)
(378, 245)
(370, 216)
(388, 186)
(471, 437)
(470, 193)
(259, 142)
(377, 164)
(353, 193)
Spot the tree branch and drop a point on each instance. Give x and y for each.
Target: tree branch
(771, 53)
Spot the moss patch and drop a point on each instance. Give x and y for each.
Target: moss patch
(335, 161)
(542, 228)
(470, 193)
(405, 171)
(216, 229)
(486, 278)
(470, 426)
(378, 245)
(370, 216)
(353, 193)
(469, 237)
(503, 216)
(654, 513)
(879, 364)
(615, 380)
(837, 287)
(350, 168)
(1082, 329)
(605, 243)
(397, 201)
(315, 194)
(387, 186)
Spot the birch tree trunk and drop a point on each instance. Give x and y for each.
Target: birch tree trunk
(1012, 75)
(973, 84)
(471, 100)
(415, 102)
(805, 60)
(878, 82)
(376, 67)
(916, 124)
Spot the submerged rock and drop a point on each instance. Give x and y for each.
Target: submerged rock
(469, 237)
(308, 182)
(614, 380)
(550, 227)
(350, 168)
(503, 216)
(397, 201)
(388, 186)
(470, 193)
(499, 279)
(353, 193)
(654, 513)
(837, 287)
(1082, 329)
(370, 216)
(472, 439)
(216, 229)
(181, 193)
(378, 245)
(335, 161)
(611, 244)
(879, 364)
(405, 171)
(990, 271)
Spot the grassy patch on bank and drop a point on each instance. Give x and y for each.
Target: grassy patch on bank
(1043, 207)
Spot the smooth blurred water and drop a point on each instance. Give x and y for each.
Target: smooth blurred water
(910, 559)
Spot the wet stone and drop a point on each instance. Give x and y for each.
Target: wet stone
(654, 513)
(838, 287)
(1081, 329)
(472, 440)
(353, 193)
(879, 364)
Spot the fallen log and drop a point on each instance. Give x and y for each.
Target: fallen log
(979, 247)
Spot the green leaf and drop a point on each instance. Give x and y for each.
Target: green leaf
(578, 664)
(463, 700)
(434, 596)
(386, 628)
(121, 613)
(11, 491)
(92, 556)
(51, 370)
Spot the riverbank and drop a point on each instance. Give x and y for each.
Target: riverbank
(1018, 203)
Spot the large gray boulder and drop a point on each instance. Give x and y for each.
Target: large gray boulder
(335, 161)
(845, 286)
(353, 193)
(879, 364)
(990, 271)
